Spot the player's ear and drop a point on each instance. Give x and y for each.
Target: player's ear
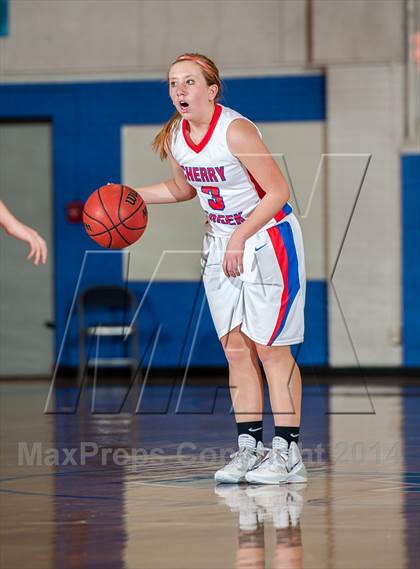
(213, 90)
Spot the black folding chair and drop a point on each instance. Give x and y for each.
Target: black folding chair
(107, 311)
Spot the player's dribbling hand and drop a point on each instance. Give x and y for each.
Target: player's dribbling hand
(233, 259)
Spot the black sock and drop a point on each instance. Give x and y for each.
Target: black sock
(289, 434)
(253, 428)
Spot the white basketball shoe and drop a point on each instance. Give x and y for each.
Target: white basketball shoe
(281, 465)
(248, 456)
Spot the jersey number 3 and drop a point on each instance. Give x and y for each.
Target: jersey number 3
(216, 201)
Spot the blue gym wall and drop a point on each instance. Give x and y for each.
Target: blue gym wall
(87, 120)
(410, 171)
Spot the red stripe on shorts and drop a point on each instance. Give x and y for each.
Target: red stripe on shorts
(282, 259)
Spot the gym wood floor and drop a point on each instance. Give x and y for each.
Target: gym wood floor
(126, 490)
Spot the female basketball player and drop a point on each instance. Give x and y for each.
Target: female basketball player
(17, 229)
(252, 260)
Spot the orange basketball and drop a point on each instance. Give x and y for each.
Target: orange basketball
(115, 216)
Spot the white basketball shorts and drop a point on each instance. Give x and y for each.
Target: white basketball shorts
(268, 298)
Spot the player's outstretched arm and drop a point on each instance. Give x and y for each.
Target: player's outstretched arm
(15, 228)
(177, 189)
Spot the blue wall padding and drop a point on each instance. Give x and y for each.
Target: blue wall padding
(410, 172)
(4, 17)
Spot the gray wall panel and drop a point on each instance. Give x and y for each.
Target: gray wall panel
(172, 28)
(111, 37)
(61, 38)
(357, 31)
(368, 274)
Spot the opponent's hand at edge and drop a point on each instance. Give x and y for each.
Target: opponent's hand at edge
(37, 246)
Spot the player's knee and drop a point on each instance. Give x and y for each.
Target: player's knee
(237, 349)
(237, 354)
(269, 354)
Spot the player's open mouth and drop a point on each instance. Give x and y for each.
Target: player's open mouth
(184, 106)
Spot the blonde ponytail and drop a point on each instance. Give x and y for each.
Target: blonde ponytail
(162, 140)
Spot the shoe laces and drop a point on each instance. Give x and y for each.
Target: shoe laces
(241, 456)
(278, 454)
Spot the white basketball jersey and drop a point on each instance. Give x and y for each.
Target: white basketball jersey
(227, 191)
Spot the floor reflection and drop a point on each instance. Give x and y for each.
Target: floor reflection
(278, 506)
